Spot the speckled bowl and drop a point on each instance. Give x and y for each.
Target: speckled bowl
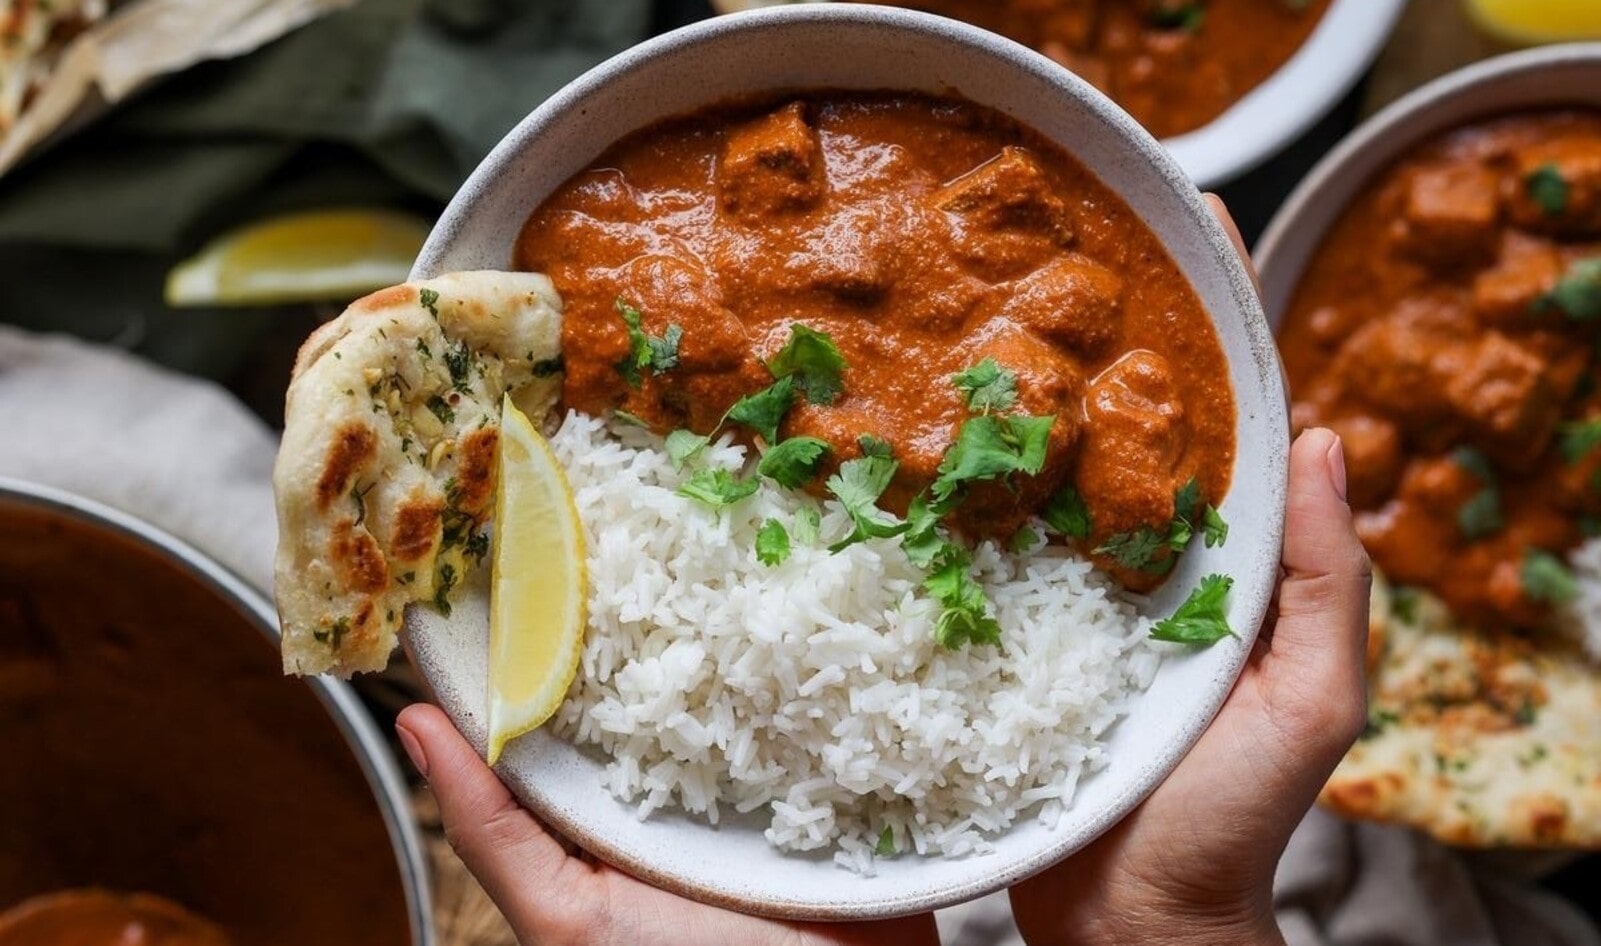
(867, 47)
(1284, 106)
(1553, 77)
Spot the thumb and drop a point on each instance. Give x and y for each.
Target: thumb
(509, 852)
(1316, 654)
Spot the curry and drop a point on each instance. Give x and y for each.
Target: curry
(1174, 65)
(1446, 329)
(928, 238)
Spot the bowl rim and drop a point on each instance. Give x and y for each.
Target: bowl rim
(337, 697)
(1390, 133)
(1255, 580)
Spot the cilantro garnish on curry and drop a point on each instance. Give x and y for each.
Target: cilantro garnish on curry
(913, 306)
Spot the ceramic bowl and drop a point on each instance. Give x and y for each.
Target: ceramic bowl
(869, 47)
(1285, 105)
(1553, 77)
(257, 762)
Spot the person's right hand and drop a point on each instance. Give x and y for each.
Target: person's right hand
(1194, 864)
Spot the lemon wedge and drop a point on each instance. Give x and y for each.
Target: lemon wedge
(538, 588)
(1538, 21)
(320, 256)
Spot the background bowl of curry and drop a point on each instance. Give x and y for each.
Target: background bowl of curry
(873, 48)
(1225, 84)
(155, 746)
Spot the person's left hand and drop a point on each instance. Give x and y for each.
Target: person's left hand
(552, 898)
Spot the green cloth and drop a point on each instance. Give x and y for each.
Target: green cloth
(389, 102)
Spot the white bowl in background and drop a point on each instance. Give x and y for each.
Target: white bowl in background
(871, 47)
(1552, 77)
(1291, 100)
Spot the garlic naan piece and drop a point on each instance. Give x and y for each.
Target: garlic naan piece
(385, 478)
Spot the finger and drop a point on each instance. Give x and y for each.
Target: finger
(1321, 633)
(1220, 210)
(510, 853)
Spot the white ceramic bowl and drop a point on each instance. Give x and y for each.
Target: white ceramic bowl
(1553, 77)
(1285, 105)
(867, 47)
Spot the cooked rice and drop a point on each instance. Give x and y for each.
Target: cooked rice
(813, 691)
(1583, 617)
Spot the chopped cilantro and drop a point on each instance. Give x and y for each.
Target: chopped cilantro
(1404, 604)
(1546, 579)
(808, 525)
(1546, 186)
(646, 351)
(1577, 294)
(987, 387)
(964, 616)
(1579, 437)
(334, 635)
(1474, 462)
(772, 543)
(1068, 514)
(430, 301)
(886, 842)
(1142, 549)
(682, 445)
(764, 410)
(872, 446)
(1213, 528)
(993, 445)
(549, 367)
(922, 540)
(459, 360)
(447, 581)
(1202, 619)
(629, 418)
(717, 488)
(858, 485)
(1179, 16)
(794, 462)
(1024, 541)
(1480, 517)
(814, 361)
(441, 409)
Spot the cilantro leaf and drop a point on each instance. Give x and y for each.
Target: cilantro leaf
(1579, 438)
(987, 386)
(886, 843)
(1187, 501)
(441, 409)
(872, 446)
(1202, 619)
(459, 362)
(683, 445)
(1213, 528)
(991, 445)
(629, 418)
(857, 486)
(1024, 541)
(1142, 549)
(792, 463)
(1480, 517)
(547, 368)
(1577, 294)
(814, 361)
(1546, 579)
(808, 525)
(430, 301)
(964, 616)
(1068, 514)
(646, 351)
(922, 541)
(772, 543)
(1474, 462)
(717, 488)
(1179, 16)
(765, 410)
(1546, 186)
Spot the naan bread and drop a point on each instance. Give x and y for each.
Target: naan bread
(32, 35)
(1482, 740)
(385, 477)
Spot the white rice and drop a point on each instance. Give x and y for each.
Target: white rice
(813, 692)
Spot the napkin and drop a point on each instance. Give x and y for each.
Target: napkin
(183, 454)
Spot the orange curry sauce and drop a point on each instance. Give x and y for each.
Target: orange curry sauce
(1425, 333)
(1174, 65)
(923, 235)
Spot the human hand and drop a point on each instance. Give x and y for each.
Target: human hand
(552, 897)
(1194, 864)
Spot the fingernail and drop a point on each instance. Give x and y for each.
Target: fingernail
(408, 741)
(1337, 467)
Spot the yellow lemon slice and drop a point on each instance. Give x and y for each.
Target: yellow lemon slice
(1538, 21)
(539, 586)
(321, 256)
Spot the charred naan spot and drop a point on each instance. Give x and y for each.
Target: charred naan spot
(354, 446)
(417, 524)
(475, 473)
(1546, 816)
(1364, 797)
(393, 297)
(359, 559)
(366, 628)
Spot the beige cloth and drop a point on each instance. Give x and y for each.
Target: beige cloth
(186, 456)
